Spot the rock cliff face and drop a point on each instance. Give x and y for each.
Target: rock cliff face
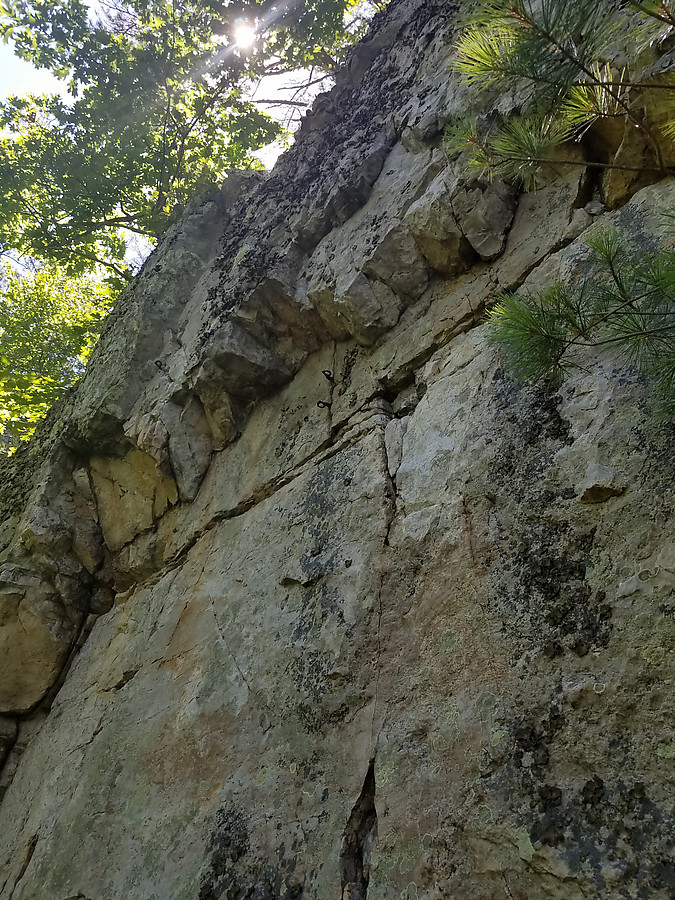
(301, 595)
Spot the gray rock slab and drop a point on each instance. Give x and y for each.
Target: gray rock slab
(150, 740)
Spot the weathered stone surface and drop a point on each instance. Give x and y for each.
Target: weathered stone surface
(435, 229)
(484, 214)
(195, 648)
(209, 385)
(130, 495)
(600, 483)
(46, 582)
(398, 262)
(36, 632)
(190, 444)
(540, 223)
(469, 488)
(147, 316)
(618, 185)
(522, 591)
(249, 368)
(349, 303)
(367, 306)
(8, 732)
(17, 735)
(315, 221)
(387, 624)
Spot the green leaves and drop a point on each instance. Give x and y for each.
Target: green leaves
(133, 144)
(462, 135)
(483, 53)
(523, 143)
(556, 57)
(49, 323)
(155, 112)
(516, 150)
(522, 333)
(625, 304)
(548, 44)
(595, 99)
(534, 331)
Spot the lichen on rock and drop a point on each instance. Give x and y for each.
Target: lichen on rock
(302, 595)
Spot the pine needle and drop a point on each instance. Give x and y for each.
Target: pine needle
(522, 143)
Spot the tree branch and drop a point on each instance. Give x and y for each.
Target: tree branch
(667, 19)
(282, 103)
(585, 164)
(604, 86)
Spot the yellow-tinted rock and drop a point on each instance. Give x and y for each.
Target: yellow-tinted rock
(130, 495)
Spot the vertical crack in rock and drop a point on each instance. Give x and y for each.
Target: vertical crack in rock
(390, 513)
(358, 840)
(30, 850)
(88, 622)
(9, 730)
(227, 646)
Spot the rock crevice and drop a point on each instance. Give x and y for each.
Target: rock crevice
(296, 524)
(357, 843)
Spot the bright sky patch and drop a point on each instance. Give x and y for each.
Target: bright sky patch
(244, 36)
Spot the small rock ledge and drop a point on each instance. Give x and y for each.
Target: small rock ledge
(300, 595)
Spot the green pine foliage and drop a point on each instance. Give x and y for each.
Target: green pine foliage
(557, 57)
(626, 303)
(548, 44)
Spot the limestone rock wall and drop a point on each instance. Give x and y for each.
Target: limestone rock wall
(301, 596)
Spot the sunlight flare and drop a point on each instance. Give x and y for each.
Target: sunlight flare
(244, 36)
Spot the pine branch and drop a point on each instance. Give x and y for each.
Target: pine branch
(491, 157)
(540, 334)
(602, 86)
(620, 338)
(665, 18)
(507, 40)
(105, 263)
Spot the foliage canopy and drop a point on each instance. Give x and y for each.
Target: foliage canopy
(155, 109)
(49, 323)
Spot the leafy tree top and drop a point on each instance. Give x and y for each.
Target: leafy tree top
(155, 111)
(49, 323)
